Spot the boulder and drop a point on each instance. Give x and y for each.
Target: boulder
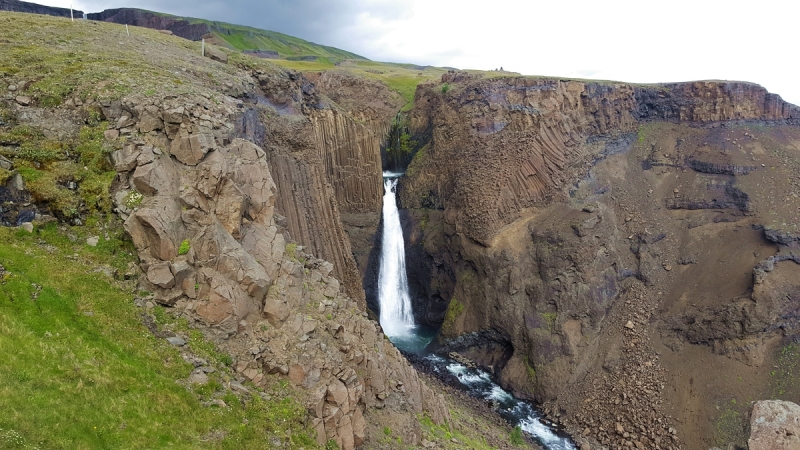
(216, 54)
(160, 275)
(110, 135)
(125, 159)
(149, 120)
(191, 148)
(774, 425)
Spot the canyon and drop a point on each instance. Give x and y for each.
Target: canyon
(625, 256)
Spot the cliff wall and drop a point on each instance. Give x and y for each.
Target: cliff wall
(141, 18)
(33, 8)
(610, 239)
(493, 147)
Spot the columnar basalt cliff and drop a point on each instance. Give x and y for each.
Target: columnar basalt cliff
(328, 161)
(584, 240)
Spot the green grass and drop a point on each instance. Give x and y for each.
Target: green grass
(516, 436)
(80, 371)
(442, 434)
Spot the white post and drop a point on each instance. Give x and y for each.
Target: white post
(70, 13)
(126, 29)
(204, 46)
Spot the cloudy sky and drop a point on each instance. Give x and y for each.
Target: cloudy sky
(636, 41)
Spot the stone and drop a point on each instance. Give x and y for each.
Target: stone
(629, 325)
(160, 274)
(198, 377)
(337, 394)
(774, 425)
(359, 427)
(149, 120)
(174, 115)
(23, 100)
(216, 54)
(111, 135)
(176, 341)
(297, 374)
(19, 183)
(92, 241)
(5, 163)
(125, 159)
(27, 226)
(190, 149)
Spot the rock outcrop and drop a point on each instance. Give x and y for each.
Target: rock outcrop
(33, 8)
(583, 240)
(202, 205)
(141, 18)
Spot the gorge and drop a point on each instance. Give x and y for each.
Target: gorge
(625, 257)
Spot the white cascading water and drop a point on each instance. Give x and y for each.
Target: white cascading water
(395, 302)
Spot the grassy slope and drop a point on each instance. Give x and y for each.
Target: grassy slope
(80, 370)
(242, 37)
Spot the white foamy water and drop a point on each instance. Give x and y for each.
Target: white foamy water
(396, 316)
(479, 384)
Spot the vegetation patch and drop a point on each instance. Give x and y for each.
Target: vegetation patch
(730, 427)
(454, 309)
(72, 177)
(184, 248)
(785, 376)
(82, 371)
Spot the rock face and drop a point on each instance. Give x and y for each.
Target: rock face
(272, 304)
(147, 19)
(586, 240)
(33, 8)
(774, 425)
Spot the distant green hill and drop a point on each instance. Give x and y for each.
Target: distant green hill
(267, 43)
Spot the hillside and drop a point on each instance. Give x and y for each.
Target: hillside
(263, 43)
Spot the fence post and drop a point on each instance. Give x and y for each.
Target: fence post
(71, 17)
(126, 29)
(204, 47)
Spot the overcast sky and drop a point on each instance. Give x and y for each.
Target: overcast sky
(636, 41)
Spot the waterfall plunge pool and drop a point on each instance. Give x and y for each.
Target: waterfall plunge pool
(397, 321)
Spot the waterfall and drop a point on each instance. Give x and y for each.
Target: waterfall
(395, 302)
(397, 321)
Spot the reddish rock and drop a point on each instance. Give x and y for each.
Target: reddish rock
(774, 425)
